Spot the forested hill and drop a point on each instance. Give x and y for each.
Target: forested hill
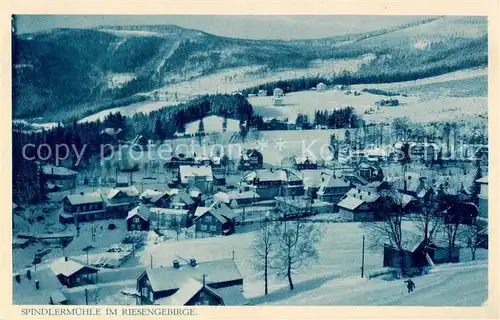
(65, 69)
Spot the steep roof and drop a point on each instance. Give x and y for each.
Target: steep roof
(218, 209)
(483, 180)
(366, 195)
(217, 271)
(350, 203)
(149, 193)
(333, 182)
(130, 191)
(187, 290)
(76, 199)
(180, 196)
(140, 211)
(66, 268)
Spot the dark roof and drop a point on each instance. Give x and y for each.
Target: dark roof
(170, 278)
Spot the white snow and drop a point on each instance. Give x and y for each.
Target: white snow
(140, 107)
(213, 124)
(137, 33)
(118, 80)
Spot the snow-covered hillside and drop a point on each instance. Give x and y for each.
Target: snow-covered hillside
(212, 124)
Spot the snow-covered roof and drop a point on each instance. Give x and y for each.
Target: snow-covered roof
(76, 199)
(141, 211)
(350, 203)
(149, 193)
(232, 296)
(130, 191)
(169, 211)
(59, 171)
(217, 271)
(483, 180)
(235, 195)
(187, 290)
(303, 159)
(334, 182)
(66, 268)
(195, 171)
(57, 297)
(182, 197)
(218, 209)
(366, 195)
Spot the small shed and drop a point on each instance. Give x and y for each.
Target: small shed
(72, 273)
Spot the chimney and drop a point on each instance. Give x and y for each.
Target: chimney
(359, 190)
(360, 197)
(176, 264)
(192, 262)
(369, 193)
(18, 278)
(322, 179)
(65, 258)
(28, 274)
(37, 285)
(203, 279)
(81, 193)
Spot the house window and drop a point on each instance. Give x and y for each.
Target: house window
(151, 297)
(144, 292)
(208, 219)
(203, 227)
(213, 228)
(136, 220)
(139, 227)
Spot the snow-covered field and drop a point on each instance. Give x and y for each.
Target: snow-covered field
(212, 124)
(334, 279)
(133, 33)
(118, 80)
(235, 79)
(130, 110)
(418, 106)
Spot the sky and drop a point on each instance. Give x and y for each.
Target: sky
(243, 26)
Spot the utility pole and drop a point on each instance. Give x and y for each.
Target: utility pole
(363, 258)
(151, 261)
(233, 254)
(86, 297)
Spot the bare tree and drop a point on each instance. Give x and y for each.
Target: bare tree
(429, 218)
(472, 235)
(389, 211)
(176, 225)
(454, 216)
(262, 250)
(295, 242)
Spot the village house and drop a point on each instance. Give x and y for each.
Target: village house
(82, 207)
(200, 177)
(483, 197)
(37, 287)
(59, 178)
(236, 199)
(271, 183)
(332, 188)
(170, 218)
(155, 198)
(72, 273)
(370, 172)
(262, 93)
(321, 87)
(120, 200)
(250, 159)
(180, 199)
(305, 163)
(312, 180)
(418, 255)
(278, 95)
(301, 206)
(138, 219)
(195, 283)
(217, 219)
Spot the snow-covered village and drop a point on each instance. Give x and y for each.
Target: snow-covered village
(176, 165)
